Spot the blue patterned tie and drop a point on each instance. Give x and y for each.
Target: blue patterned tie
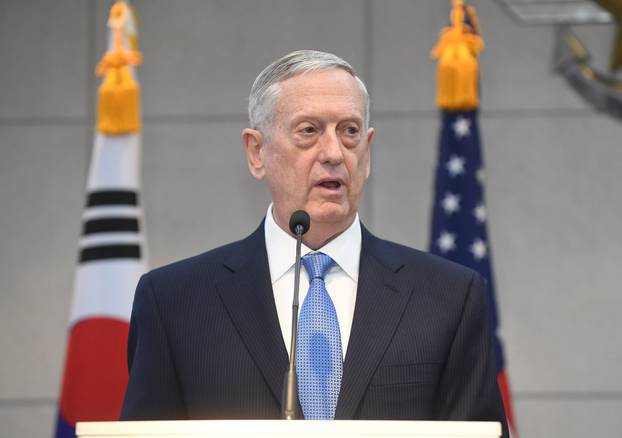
(319, 361)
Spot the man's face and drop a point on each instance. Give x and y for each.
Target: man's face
(317, 157)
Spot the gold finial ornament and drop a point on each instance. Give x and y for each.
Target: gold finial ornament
(614, 7)
(118, 107)
(457, 53)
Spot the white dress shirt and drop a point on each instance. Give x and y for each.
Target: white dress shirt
(341, 279)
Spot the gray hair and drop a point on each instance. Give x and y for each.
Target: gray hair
(266, 89)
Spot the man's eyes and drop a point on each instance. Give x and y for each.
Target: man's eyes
(350, 130)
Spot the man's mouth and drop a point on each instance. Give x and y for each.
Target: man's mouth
(330, 184)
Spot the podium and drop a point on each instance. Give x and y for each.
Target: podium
(283, 429)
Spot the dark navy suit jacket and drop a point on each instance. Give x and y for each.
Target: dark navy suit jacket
(205, 340)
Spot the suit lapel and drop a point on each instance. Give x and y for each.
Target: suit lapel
(380, 302)
(382, 296)
(249, 300)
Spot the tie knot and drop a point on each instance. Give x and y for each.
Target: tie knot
(317, 264)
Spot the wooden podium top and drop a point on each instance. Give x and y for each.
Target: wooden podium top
(282, 429)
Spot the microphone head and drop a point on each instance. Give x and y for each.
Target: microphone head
(299, 218)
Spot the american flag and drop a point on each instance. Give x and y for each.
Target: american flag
(459, 221)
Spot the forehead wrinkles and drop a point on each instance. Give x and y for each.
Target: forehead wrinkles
(301, 95)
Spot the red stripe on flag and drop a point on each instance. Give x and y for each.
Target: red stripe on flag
(504, 387)
(95, 371)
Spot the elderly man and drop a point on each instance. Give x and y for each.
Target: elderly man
(386, 332)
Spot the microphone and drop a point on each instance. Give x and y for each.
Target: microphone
(299, 224)
(299, 218)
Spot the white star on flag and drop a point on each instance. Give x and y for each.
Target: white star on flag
(455, 165)
(481, 176)
(451, 203)
(478, 249)
(446, 242)
(480, 213)
(462, 127)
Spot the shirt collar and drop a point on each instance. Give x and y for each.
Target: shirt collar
(344, 249)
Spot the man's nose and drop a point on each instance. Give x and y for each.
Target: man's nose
(330, 147)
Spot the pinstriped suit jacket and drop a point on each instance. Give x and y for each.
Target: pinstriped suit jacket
(205, 340)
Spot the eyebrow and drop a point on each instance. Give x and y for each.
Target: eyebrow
(302, 118)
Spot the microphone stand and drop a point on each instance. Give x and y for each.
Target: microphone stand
(290, 385)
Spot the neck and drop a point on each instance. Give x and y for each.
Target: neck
(319, 233)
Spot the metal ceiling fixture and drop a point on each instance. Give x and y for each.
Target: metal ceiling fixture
(556, 11)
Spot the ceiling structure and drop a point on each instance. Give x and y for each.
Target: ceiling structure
(557, 11)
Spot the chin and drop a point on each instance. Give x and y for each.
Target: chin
(329, 213)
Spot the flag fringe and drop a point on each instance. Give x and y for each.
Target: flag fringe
(458, 67)
(118, 103)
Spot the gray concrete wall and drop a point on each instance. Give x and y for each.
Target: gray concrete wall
(554, 176)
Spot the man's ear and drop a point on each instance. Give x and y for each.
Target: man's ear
(370, 139)
(254, 144)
